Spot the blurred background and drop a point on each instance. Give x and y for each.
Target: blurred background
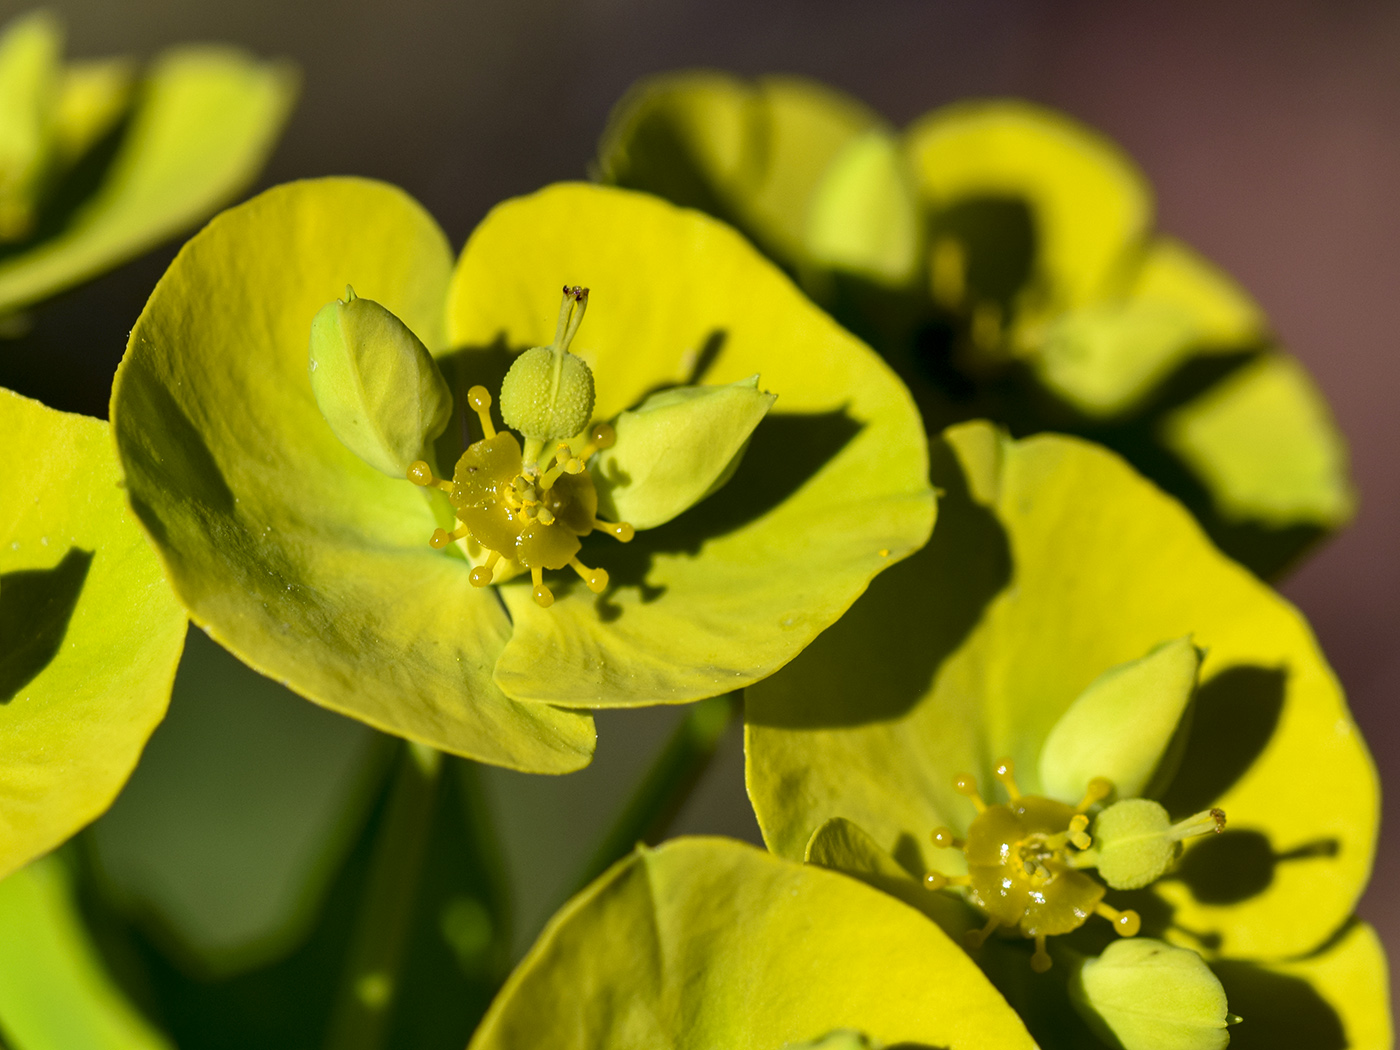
(1271, 131)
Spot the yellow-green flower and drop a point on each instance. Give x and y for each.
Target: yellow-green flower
(313, 564)
(706, 943)
(100, 161)
(1050, 635)
(91, 631)
(1003, 257)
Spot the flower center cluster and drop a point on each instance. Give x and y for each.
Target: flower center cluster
(526, 507)
(1023, 859)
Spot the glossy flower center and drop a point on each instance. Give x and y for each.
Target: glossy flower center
(1023, 859)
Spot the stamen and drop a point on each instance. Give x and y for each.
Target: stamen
(1204, 823)
(977, 938)
(936, 880)
(966, 784)
(597, 579)
(1040, 960)
(944, 838)
(422, 475)
(441, 537)
(1099, 789)
(544, 597)
(564, 463)
(618, 530)
(1006, 773)
(600, 437)
(1125, 923)
(480, 400)
(481, 575)
(545, 516)
(1078, 833)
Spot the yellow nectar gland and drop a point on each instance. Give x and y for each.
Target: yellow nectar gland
(1021, 864)
(532, 513)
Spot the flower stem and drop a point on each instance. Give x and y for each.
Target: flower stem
(664, 789)
(368, 989)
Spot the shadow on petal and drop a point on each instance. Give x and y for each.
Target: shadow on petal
(35, 607)
(1278, 1010)
(1237, 865)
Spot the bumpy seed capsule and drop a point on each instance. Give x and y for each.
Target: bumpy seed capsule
(548, 393)
(1137, 843)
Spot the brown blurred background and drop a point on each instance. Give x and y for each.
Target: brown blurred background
(1270, 129)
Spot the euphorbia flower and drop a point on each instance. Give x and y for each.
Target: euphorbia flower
(99, 162)
(91, 631)
(705, 943)
(1003, 257)
(1047, 637)
(316, 567)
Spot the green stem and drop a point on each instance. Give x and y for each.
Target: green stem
(386, 910)
(667, 784)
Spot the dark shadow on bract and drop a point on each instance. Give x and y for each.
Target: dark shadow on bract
(1278, 1010)
(35, 607)
(1234, 715)
(1236, 865)
(878, 660)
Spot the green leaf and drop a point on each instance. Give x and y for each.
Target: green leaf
(1052, 563)
(710, 943)
(1105, 357)
(55, 993)
(244, 805)
(1146, 995)
(1120, 726)
(1087, 201)
(376, 384)
(92, 632)
(1265, 444)
(676, 448)
(204, 122)
(308, 564)
(832, 489)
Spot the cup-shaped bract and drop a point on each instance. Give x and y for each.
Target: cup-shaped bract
(166, 147)
(1003, 257)
(317, 570)
(706, 943)
(1053, 563)
(91, 632)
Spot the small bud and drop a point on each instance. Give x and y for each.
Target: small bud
(1142, 994)
(1136, 842)
(376, 384)
(676, 448)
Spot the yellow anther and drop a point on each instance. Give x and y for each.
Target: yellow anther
(480, 400)
(545, 516)
(1040, 960)
(1125, 923)
(1099, 789)
(934, 880)
(966, 784)
(1006, 773)
(1078, 831)
(944, 838)
(422, 475)
(618, 530)
(441, 537)
(481, 575)
(977, 938)
(597, 579)
(1208, 822)
(544, 597)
